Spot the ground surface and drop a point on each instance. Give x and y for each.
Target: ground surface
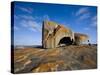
(58, 59)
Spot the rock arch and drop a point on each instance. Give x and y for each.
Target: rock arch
(65, 41)
(53, 33)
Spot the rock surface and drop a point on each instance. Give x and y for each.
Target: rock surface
(53, 35)
(57, 59)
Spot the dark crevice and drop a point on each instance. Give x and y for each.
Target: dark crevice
(65, 41)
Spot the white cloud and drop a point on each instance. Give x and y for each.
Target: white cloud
(84, 16)
(82, 11)
(46, 17)
(94, 24)
(94, 21)
(28, 9)
(86, 28)
(31, 25)
(16, 28)
(16, 17)
(94, 18)
(29, 22)
(23, 23)
(34, 30)
(27, 17)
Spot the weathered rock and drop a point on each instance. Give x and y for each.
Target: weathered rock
(55, 35)
(58, 59)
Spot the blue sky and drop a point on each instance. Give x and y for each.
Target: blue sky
(28, 18)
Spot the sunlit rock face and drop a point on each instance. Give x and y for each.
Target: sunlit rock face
(73, 57)
(56, 35)
(79, 38)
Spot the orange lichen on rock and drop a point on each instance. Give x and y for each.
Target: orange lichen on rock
(53, 52)
(81, 37)
(52, 33)
(46, 67)
(57, 59)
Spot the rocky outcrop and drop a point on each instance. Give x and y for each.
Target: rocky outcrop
(71, 57)
(55, 35)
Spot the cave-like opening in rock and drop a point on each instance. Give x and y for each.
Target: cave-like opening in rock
(65, 41)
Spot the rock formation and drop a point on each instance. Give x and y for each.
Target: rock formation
(56, 35)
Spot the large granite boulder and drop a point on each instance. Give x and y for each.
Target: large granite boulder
(56, 35)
